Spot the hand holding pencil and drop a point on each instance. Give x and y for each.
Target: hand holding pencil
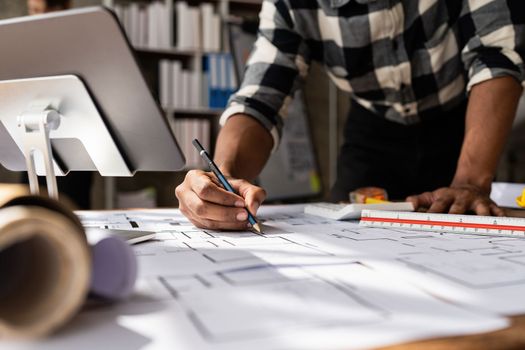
(209, 204)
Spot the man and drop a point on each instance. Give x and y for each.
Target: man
(434, 85)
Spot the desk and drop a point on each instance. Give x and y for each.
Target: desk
(507, 339)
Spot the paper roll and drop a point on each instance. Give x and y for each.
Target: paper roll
(114, 266)
(45, 267)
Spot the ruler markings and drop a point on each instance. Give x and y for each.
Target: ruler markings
(454, 223)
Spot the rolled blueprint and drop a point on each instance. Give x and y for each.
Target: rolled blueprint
(48, 266)
(45, 267)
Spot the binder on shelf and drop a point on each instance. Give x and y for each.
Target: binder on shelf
(185, 131)
(177, 84)
(196, 89)
(214, 80)
(166, 91)
(217, 30)
(223, 79)
(183, 24)
(206, 10)
(196, 26)
(186, 81)
(143, 28)
(205, 83)
(168, 25)
(220, 80)
(152, 32)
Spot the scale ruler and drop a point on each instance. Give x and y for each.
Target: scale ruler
(465, 224)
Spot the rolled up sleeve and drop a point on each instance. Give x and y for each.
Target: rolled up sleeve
(494, 36)
(275, 70)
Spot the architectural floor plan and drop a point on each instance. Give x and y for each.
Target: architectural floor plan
(307, 282)
(486, 272)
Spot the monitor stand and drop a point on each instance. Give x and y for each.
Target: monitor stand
(59, 109)
(36, 124)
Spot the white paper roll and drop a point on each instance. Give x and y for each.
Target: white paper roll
(114, 266)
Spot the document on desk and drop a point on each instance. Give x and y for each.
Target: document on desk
(307, 283)
(341, 306)
(479, 271)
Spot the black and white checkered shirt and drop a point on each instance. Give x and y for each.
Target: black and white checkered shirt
(400, 58)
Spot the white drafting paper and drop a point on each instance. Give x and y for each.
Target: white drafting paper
(344, 306)
(491, 278)
(307, 282)
(495, 279)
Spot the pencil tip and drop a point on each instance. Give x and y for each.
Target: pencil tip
(257, 228)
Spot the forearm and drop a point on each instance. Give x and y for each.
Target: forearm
(491, 110)
(243, 147)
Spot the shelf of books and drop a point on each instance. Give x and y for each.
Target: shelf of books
(183, 49)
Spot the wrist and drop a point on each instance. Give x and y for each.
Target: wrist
(474, 171)
(228, 169)
(479, 182)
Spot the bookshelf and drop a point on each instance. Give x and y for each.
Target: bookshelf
(163, 50)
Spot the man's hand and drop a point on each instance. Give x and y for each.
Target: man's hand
(242, 148)
(207, 205)
(457, 199)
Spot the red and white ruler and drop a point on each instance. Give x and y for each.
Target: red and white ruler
(466, 224)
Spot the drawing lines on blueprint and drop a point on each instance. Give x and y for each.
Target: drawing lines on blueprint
(267, 301)
(472, 273)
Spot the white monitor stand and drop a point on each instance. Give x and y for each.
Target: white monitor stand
(37, 111)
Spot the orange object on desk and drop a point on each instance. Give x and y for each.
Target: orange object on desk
(369, 195)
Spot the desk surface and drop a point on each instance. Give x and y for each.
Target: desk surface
(506, 339)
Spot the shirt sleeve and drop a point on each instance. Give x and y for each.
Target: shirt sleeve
(494, 33)
(275, 70)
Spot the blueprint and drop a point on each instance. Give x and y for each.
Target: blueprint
(485, 272)
(339, 306)
(306, 283)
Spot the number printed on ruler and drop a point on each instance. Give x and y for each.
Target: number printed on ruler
(468, 224)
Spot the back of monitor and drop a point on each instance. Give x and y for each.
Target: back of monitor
(89, 44)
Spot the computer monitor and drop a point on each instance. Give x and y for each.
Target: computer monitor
(80, 64)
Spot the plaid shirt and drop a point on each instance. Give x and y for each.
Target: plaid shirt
(402, 59)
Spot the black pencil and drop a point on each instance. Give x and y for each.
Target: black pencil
(222, 179)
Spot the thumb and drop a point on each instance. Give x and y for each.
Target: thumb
(253, 195)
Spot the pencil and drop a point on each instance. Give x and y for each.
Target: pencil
(224, 182)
